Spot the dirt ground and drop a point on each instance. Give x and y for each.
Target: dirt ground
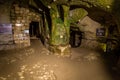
(36, 63)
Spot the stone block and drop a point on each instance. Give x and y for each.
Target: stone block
(17, 8)
(17, 12)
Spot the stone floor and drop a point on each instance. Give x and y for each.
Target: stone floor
(36, 63)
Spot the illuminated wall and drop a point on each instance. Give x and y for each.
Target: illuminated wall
(19, 19)
(89, 27)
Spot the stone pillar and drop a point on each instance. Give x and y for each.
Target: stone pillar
(59, 38)
(20, 24)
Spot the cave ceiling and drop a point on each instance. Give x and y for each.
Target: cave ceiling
(98, 10)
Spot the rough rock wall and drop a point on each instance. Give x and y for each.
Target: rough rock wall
(89, 26)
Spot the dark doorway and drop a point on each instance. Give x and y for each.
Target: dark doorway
(34, 29)
(75, 36)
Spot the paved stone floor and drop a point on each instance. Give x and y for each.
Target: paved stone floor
(36, 63)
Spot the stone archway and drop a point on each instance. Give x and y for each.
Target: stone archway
(21, 16)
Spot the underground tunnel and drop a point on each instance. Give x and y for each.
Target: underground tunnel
(59, 40)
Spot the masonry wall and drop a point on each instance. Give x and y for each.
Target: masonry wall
(19, 17)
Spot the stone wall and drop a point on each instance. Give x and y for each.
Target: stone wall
(89, 26)
(4, 12)
(20, 22)
(20, 18)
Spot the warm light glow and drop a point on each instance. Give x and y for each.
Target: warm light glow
(18, 24)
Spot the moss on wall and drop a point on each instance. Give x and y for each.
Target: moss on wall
(60, 27)
(103, 4)
(77, 14)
